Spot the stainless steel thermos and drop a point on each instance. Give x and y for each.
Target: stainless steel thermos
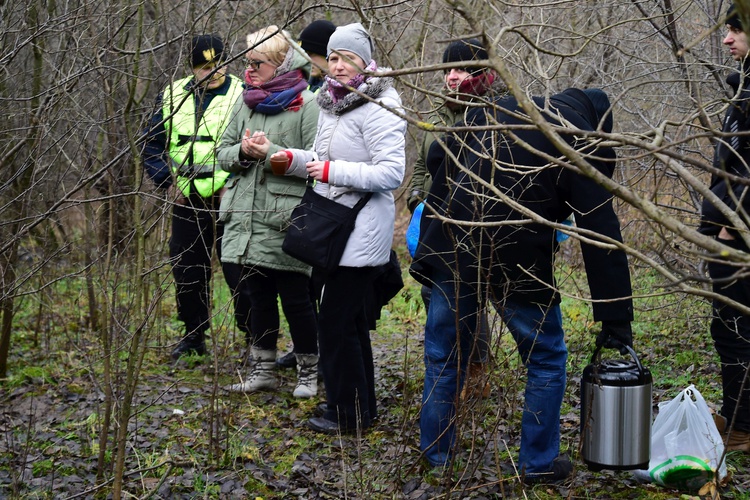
(616, 413)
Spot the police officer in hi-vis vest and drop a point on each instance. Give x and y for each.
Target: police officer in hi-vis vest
(178, 155)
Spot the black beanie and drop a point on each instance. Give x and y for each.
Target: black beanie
(733, 19)
(314, 38)
(464, 50)
(206, 49)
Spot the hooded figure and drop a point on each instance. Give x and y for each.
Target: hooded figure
(508, 261)
(592, 104)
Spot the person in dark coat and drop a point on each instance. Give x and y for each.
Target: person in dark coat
(178, 156)
(461, 86)
(730, 329)
(477, 246)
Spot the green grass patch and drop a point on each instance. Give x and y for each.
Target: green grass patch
(260, 440)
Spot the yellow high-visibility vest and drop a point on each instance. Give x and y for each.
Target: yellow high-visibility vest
(192, 145)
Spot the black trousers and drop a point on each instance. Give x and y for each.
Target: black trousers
(195, 232)
(730, 330)
(345, 349)
(266, 286)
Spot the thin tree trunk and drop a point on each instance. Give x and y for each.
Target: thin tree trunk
(136, 350)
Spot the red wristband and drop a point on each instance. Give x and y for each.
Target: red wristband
(326, 166)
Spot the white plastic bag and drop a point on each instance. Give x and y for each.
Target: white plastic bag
(686, 446)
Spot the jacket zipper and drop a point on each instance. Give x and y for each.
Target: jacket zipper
(328, 152)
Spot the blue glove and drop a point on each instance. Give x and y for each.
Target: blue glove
(615, 335)
(412, 232)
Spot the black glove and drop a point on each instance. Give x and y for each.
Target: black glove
(415, 197)
(615, 335)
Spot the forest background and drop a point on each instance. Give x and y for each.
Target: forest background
(91, 407)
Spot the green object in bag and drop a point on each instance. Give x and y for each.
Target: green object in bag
(686, 447)
(683, 472)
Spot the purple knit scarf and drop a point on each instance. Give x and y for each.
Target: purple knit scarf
(338, 91)
(273, 91)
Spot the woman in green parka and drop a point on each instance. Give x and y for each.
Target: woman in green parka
(276, 112)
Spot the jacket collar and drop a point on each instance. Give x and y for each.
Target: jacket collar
(373, 87)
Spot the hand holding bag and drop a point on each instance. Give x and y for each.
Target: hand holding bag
(320, 229)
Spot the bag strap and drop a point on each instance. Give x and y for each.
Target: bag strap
(357, 207)
(362, 202)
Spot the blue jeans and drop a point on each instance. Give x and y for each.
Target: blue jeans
(540, 339)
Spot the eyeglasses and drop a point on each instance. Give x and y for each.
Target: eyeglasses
(255, 64)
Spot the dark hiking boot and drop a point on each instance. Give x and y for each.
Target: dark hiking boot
(325, 426)
(320, 409)
(193, 343)
(288, 360)
(561, 470)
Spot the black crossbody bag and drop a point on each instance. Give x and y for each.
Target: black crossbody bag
(320, 229)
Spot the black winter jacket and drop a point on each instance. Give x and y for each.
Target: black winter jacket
(517, 259)
(732, 155)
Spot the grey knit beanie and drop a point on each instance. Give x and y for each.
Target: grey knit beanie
(354, 38)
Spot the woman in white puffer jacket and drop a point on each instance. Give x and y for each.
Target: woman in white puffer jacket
(359, 148)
